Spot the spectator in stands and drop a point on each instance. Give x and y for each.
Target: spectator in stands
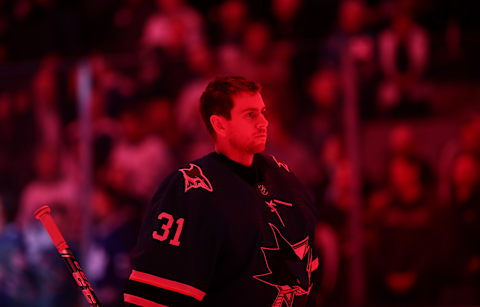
(160, 122)
(330, 192)
(138, 160)
(170, 32)
(173, 24)
(150, 74)
(324, 104)
(17, 285)
(227, 22)
(353, 38)
(195, 138)
(351, 34)
(49, 186)
(114, 232)
(111, 88)
(23, 142)
(46, 102)
(461, 266)
(403, 57)
(17, 140)
(259, 58)
(327, 244)
(285, 19)
(128, 20)
(401, 229)
(334, 204)
(403, 142)
(466, 141)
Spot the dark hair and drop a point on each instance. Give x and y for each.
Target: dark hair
(217, 97)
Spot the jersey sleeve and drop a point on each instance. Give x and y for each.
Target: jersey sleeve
(178, 246)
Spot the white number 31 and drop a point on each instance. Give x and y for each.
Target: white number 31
(166, 226)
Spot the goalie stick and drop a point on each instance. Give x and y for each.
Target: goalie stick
(43, 214)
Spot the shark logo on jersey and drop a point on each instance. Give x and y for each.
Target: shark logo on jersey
(195, 179)
(290, 268)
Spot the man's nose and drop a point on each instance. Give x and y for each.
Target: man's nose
(262, 122)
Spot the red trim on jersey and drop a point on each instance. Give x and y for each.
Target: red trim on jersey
(167, 284)
(132, 299)
(281, 164)
(315, 264)
(282, 202)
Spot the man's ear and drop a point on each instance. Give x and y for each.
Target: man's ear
(218, 123)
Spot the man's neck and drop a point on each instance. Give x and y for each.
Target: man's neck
(242, 158)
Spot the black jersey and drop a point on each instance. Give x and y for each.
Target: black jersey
(220, 234)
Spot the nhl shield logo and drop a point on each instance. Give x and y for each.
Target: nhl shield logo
(195, 179)
(263, 189)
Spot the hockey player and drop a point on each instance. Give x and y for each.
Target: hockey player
(234, 228)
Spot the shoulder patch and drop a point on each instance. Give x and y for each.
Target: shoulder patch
(195, 179)
(281, 164)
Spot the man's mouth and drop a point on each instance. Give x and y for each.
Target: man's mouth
(261, 134)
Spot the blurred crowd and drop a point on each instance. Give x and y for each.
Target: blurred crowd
(415, 71)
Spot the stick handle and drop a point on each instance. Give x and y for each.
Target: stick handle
(43, 214)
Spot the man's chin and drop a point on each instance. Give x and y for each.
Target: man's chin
(258, 148)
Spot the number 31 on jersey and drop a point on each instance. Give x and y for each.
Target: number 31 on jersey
(167, 223)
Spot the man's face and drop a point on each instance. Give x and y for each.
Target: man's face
(246, 131)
